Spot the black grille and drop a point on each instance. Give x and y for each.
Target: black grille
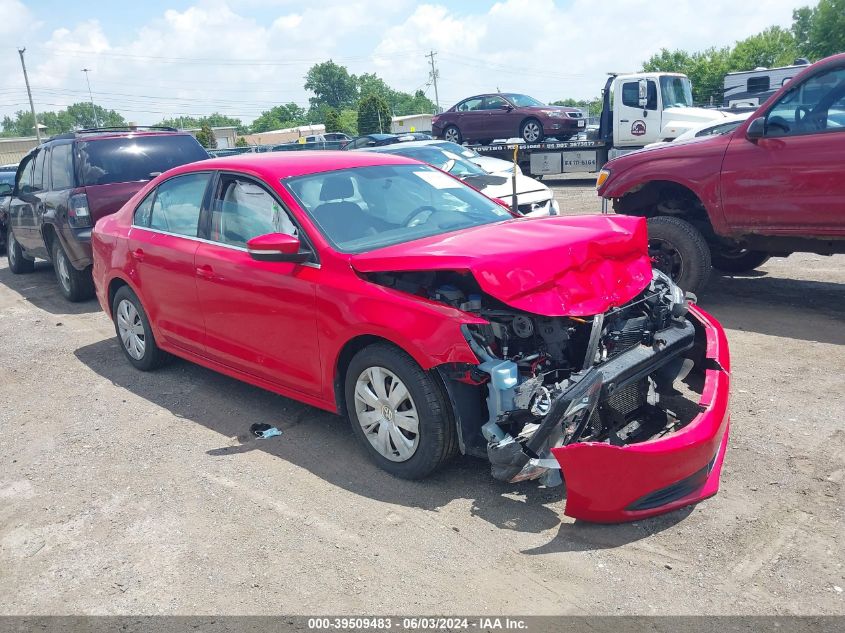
(630, 335)
(628, 399)
(677, 490)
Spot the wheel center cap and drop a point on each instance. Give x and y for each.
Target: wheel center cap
(387, 413)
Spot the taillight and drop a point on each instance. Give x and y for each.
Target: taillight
(78, 214)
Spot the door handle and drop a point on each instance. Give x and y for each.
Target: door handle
(138, 254)
(205, 271)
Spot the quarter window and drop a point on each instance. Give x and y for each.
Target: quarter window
(178, 203)
(243, 209)
(61, 166)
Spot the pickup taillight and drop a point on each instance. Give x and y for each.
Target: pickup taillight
(78, 213)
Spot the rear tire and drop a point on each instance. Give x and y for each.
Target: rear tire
(134, 332)
(679, 250)
(452, 134)
(740, 260)
(75, 285)
(18, 262)
(375, 401)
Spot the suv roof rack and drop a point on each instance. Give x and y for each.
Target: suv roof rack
(119, 128)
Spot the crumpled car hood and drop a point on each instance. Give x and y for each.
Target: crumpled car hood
(553, 266)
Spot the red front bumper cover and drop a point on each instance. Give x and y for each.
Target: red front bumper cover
(609, 484)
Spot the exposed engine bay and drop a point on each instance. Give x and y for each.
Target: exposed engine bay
(546, 382)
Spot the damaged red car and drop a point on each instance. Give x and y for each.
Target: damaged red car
(385, 290)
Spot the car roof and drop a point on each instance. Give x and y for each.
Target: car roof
(396, 146)
(278, 165)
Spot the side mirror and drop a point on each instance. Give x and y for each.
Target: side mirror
(756, 129)
(643, 90)
(507, 107)
(276, 247)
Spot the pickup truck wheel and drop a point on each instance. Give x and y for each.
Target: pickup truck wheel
(398, 412)
(531, 131)
(679, 250)
(18, 262)
(134, 332)
(452, 134)
(738, 260)
(75, 285)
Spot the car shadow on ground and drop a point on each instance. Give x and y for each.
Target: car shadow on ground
(788, 308)
(323, 444)
(41, 289)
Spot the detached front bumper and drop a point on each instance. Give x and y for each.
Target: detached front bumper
(608, 484)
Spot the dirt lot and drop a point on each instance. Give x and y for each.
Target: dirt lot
(125, 492)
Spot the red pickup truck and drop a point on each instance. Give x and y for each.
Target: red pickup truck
(774, 186)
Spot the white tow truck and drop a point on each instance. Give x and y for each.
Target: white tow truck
(637, 109)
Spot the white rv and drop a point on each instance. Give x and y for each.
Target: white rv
(750, 88)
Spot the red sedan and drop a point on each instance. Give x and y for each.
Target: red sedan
(383, 289)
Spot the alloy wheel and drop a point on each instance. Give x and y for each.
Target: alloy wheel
(10, 249)
(387, 414)
(62, 267)
(131, 329)
(451, 135)
(531, 131)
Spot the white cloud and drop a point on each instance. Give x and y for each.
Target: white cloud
(546, 48)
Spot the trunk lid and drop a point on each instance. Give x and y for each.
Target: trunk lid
(552, 266)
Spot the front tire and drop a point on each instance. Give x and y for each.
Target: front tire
(134, 332)
(18, 262)
(452, 134)
(75, 285)
(738, 260)
(398, 412)
(531, 131)
(679, 250)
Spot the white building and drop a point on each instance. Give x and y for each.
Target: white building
(411, 123)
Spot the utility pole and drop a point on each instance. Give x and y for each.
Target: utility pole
(434, 75)
(21, 51)
(91, 97)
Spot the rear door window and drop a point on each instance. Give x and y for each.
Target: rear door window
(178, 203)
(243, 209)
(38, 183)
(128, 159)
(61, 166)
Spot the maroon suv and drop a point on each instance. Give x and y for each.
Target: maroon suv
(483, 118)
(66, 184)
(772, 187)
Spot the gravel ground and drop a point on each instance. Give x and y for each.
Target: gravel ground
(132, 493)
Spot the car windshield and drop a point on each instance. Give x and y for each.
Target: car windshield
(676, 92)
(523, 101)
(131, 158)
(443, 159)
(457, 149)
(366, 208)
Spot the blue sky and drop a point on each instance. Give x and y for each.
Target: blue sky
(167, 57)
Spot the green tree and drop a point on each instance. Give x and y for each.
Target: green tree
(205, 136)
(279, 117)
(332, 121)
(771, 48)
(241, 142)
(373, 115)
(592, 107)
(76, 116)
(332, 85)
(820, 31)
(215, 119)
(349, 121)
